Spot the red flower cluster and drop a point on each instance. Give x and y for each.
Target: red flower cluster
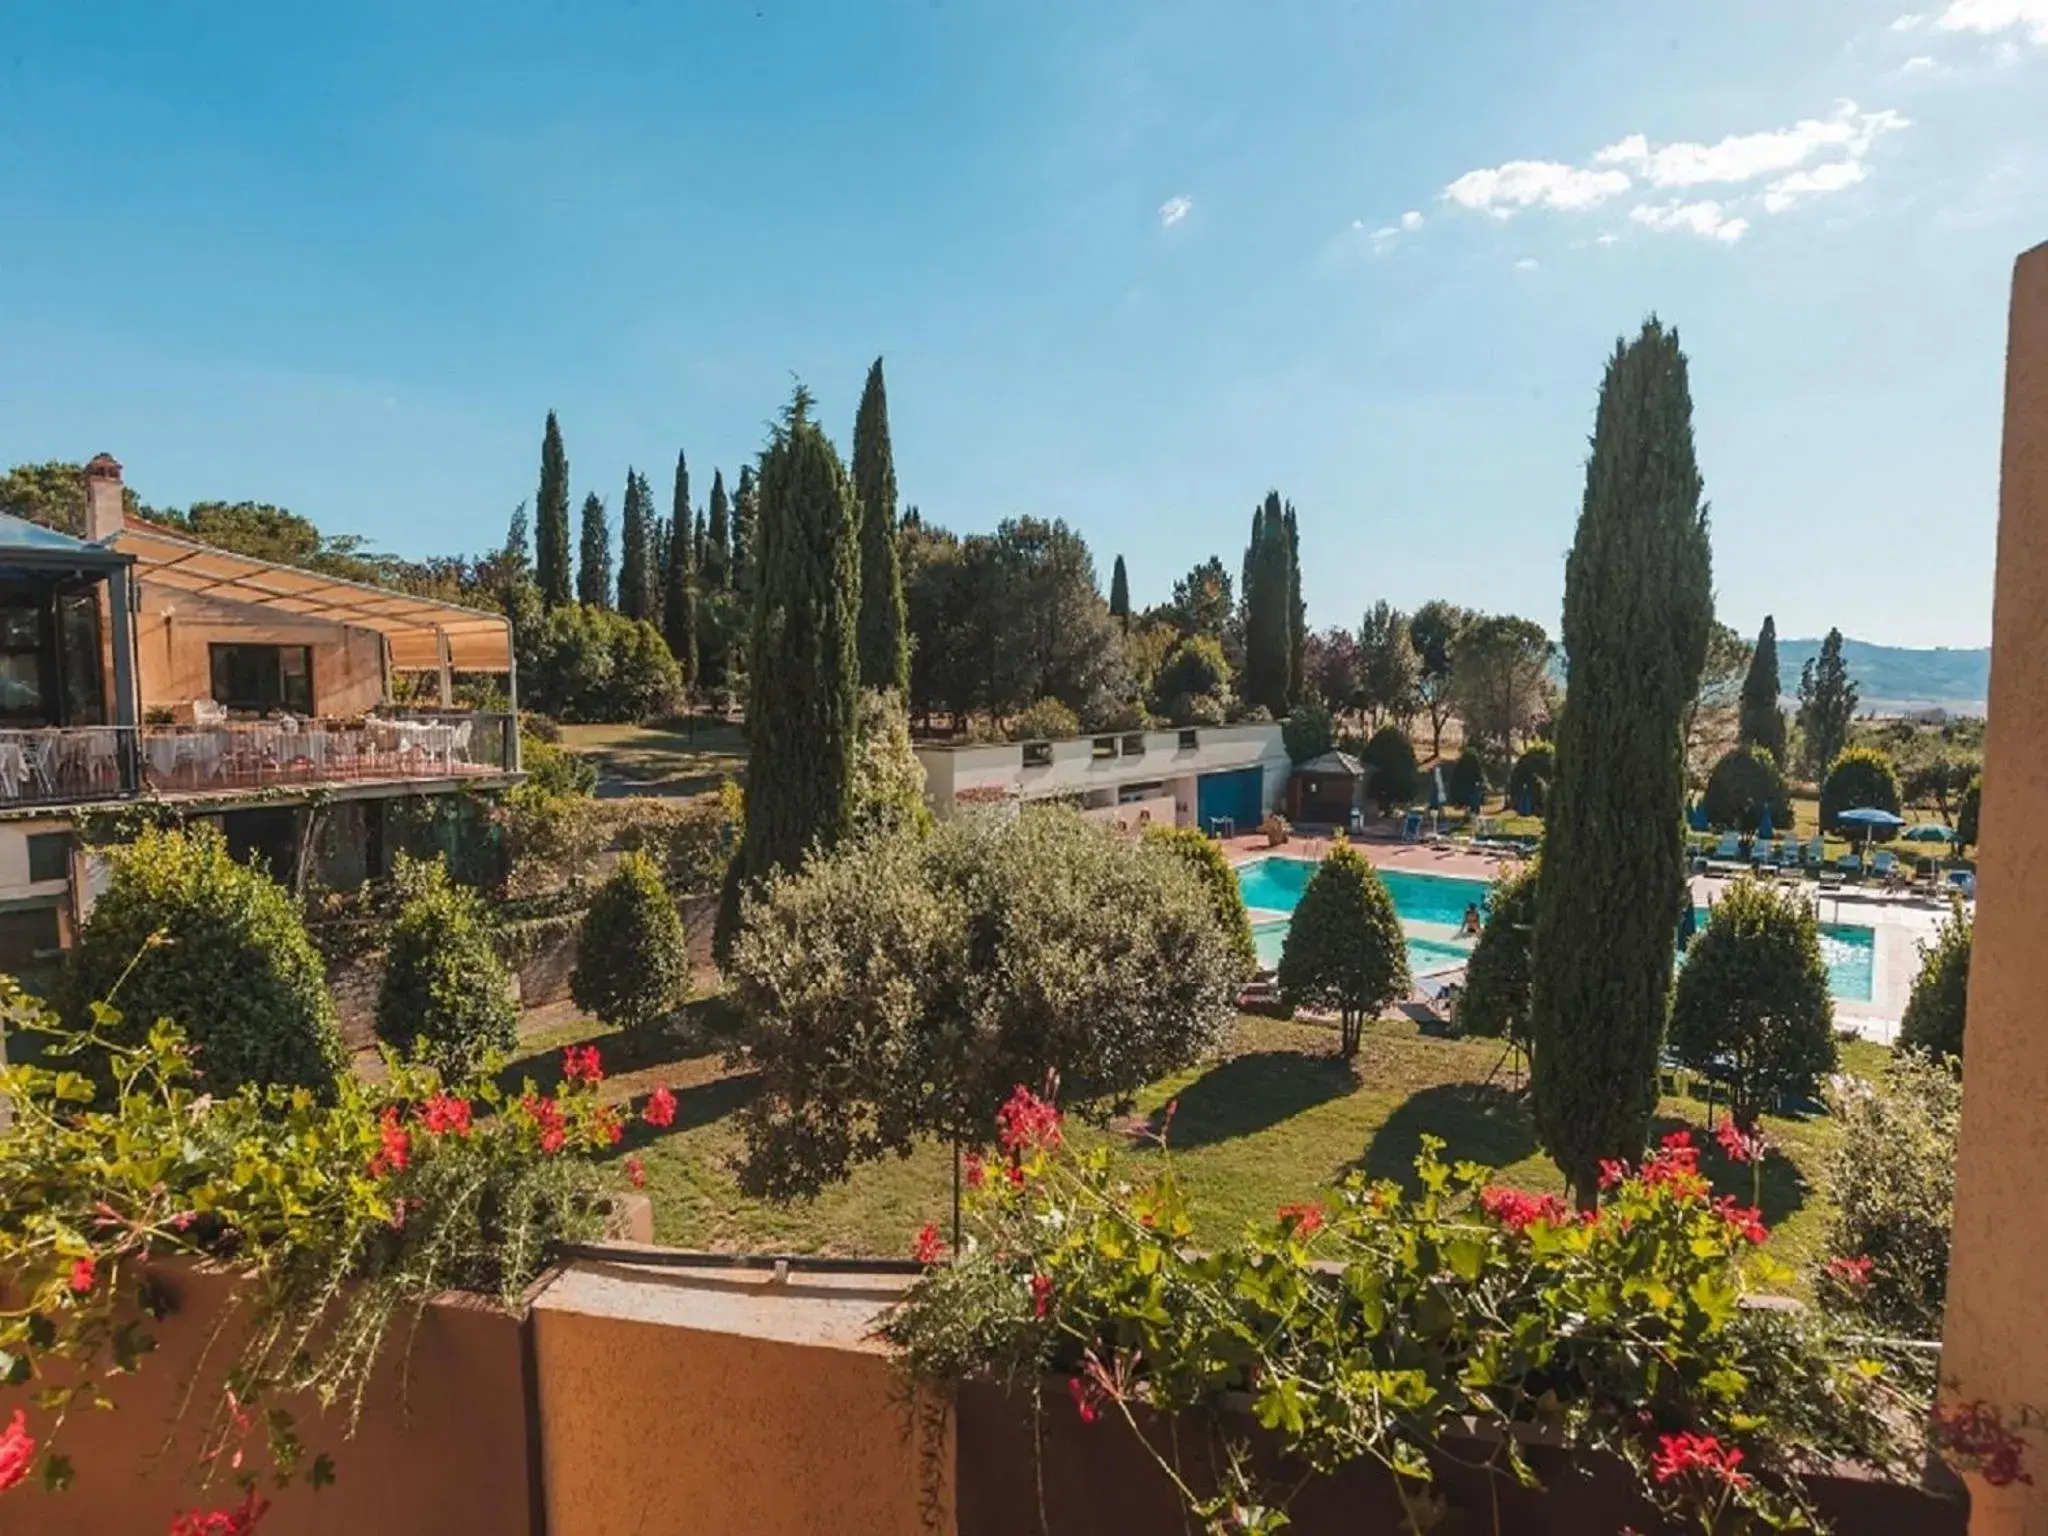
(1973, 1433)
(1678, 1455)
(238, 1521)
(83, 1273)
(17, 1451)
(394, 1145)
(609, 1125)
(444, 1113)
(637, 1172)
(1612, 1172)
(1518, 1208)
(977, 1172)
(929, 1247)
(1302, 1219)
(1852, 1272)
(1738, 1145)
(1746, 1219)
(1086, 1394)
(580, 1065)
(1027, 1123)
(1041, 1295)
(546, 1116)
(1675, 1165)
(660, 1109)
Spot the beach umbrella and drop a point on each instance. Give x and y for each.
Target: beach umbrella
(1696, 817)
(1763, 822)
(1436, 788)
(1929, 832)
(1872, 820)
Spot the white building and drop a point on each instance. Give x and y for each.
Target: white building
(1220, 778)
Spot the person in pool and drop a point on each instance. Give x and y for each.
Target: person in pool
(1469, 928)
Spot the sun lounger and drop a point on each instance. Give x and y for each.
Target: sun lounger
(1411, 827)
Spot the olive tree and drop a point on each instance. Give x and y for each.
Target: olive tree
(900, 989)
(1345, 952)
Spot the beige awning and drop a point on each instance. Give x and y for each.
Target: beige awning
(413, 627)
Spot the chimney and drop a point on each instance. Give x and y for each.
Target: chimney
(103, 498)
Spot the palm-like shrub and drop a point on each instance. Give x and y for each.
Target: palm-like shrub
(1345, 953)
(446, 996)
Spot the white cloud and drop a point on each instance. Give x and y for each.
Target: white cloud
(1835, 176)
(1411, 220)
(1908, 23)
(1605, 237)
(1173, 210)
(1502, 189)
(1706, 218)
(1993, 16)
(1526, 264)
(1919, 64)
(1744, 157)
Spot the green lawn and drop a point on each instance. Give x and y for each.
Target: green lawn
(669, 759)
(1273, 1121)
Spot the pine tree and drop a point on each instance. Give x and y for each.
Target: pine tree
(803, 711)
(743, 531)
(1638, 603)
(1297, 613)
(1120, 595)
(1268, 615)
(884, 623)
(679, 580)
(1827, 703)
(551, 511)
(1760, 722)
(717, 570)
(594, 563)
(636, 577)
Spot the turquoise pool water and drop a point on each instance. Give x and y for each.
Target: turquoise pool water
(1273, 885)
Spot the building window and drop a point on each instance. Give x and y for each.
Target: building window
(1188, 741)
(1037, 754)
(1105, 746)
(263, 679)
(28, 937)
(49, 856)
(1134, 744)
(24, 659)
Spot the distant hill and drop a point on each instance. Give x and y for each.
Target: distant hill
(1893, 679)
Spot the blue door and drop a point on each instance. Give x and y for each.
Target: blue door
(1238, 796)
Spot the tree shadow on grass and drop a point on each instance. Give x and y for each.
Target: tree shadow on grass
(1247, 1094)
(1784, 1186)
(698, 1105)
(1485, 1122)
(621, 1052)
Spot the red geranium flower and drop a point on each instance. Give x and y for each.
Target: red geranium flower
(17, 1451)
(977, 1172)
(637, 1172)
(1026, 1122)
(581, 1065)
(1678, 1455)
(929, 1247)
(1738, 1145)
(1612, 1172)
(1517, 1209)
(546, 1116)
(660, 1109)
(444, 1113)
(1085, 1395)
(1041, 1295)
(1302, 1219)
(1854, 1271)
(394, 1145)
(82, 1275)
(238, 1521)
(1746, 1219)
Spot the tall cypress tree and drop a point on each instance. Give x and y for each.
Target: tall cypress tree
(551, 512)
(1120, 595)
(1268, 610)
(1761, 722)
(636, 579)
(884, 623)
(703, 548)
(1251, 562)
(1638, 604)
(743, 530)
(1297, 612)
(1827, 703)
(679, 578)
(594, 563)
(803, 705)
(718, 539)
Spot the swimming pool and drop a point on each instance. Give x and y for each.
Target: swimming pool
(1273, 885)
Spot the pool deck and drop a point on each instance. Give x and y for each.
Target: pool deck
(1899, 922)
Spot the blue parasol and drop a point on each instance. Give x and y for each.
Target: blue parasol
(1929, 832)
(1763, 823)
(1872, 820)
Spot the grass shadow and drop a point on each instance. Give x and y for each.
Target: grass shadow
(1485, 1122)
(1249, 1093)
(1784, 1187)
(621, 1051)
(698, 1105)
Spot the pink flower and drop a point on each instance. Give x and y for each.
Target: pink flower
(1678, 1455)
(660, 1109)
(1851, 1272)
(444, 1113)
(581, 1065)
(1026, 1122)
(1041, 1295)
(82, 1275)
(637, 1172)
(17, 1451)
(1302, 1219)
(1517, 1209)
(929, 1247)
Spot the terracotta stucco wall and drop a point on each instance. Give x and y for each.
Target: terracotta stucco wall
(1996, 1341)
(174, 629)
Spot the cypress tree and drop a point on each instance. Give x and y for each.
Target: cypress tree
(803, 706)
(594, 566)
(636, 583)
(718, 539)
(884, 624)
(703, 551)
(551, 510)
(1120, 595)
(1761, 723)
(1297, 612)
(679, 579)
(1251, 561)
(1638, 603)
(1268, 618)
(743, 531)
(1827, 703)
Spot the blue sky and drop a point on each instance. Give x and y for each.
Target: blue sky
(1129, 264)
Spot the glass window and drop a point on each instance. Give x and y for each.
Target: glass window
(263, 679)
(23, 663)
(49, 855)
(78, 658)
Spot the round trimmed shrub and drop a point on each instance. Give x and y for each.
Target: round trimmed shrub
(1498, 977)
(1465, 779)
(1752, 996)
(1203, 857)
(1195, 666)
(1046, 720)
(1391, 757)
(446, 996)
(632, 959)
(1741, 785)
(1933, 1020)
(1533, 771)
(1859, 776)
(185, 933)
(1345, 952)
